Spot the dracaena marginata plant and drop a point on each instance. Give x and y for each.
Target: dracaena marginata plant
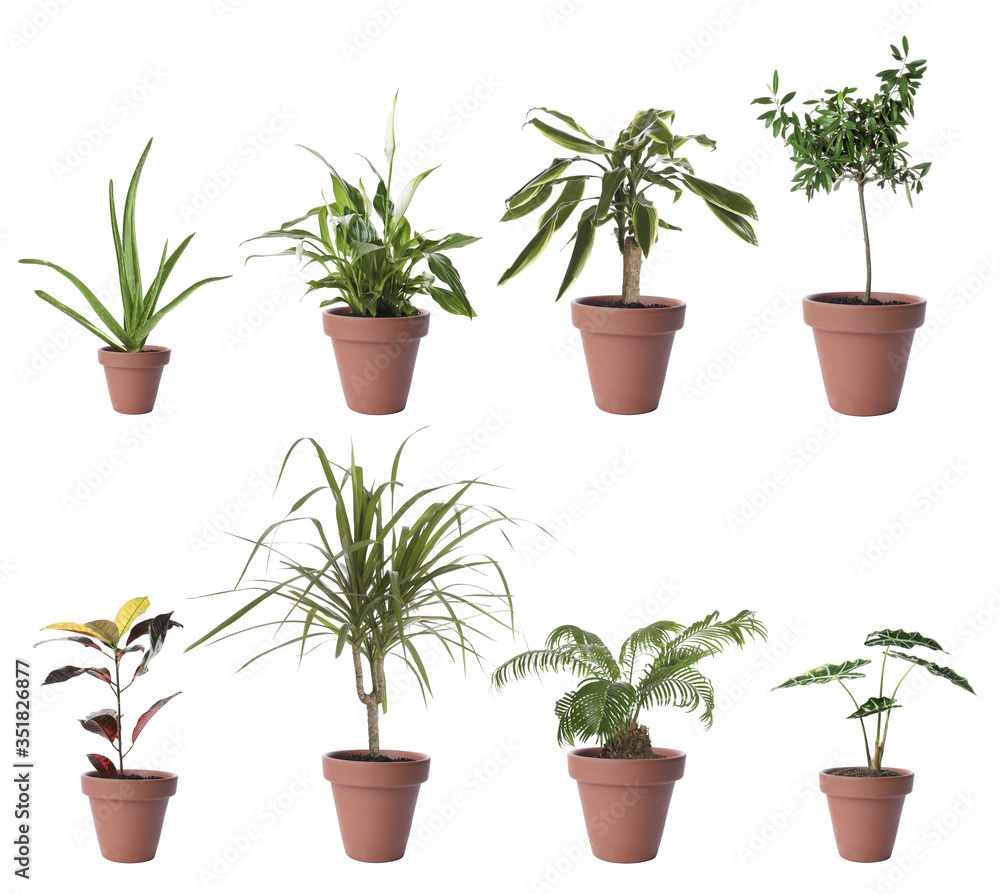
(141, 310)
(844, 137)
(106, 637)
(372, 259)
(656, 665)
(881, 706)
(388, 578)
(611, 185)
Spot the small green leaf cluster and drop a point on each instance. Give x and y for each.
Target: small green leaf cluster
(141, 313)
(655, 666)
(844, 136)
(880, 705)
(644, 155)
(371, 256)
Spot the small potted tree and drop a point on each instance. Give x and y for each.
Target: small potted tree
(863, 341)
(128, 805)
(866, 802)
(375, 264)
(387, 578)
(131, 366)
(626, 338)
(626, 778)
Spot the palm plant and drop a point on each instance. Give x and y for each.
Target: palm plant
(655, 666)
(385, 579)
(105, 636)
(372, 266)
(141, 311)
(882, 704)
(643, 156)
(848, 138)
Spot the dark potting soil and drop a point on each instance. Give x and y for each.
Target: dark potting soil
(137, 776)
(855, 299)
(381, 759)
(621, 305)
(863, 771)
(632, 744)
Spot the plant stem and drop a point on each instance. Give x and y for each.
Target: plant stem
(371, 700)
(632, 264)
(118, 700)
(868, 249)
(861, 720)
(881, 690)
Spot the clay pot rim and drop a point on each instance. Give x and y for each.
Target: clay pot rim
(674, 304)
(162, 784)
(656, 321)
(149, 356)
(376, 774)
(863, 787)
(911, 300)
(857, 318)
(338, 324)
(585, 767)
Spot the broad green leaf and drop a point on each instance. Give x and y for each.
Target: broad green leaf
(644, 223)
(901, 639)
(563, 207)
(874, 705)
(582, 244)
(720, 196)
(739, 225)
(827, 673)
(609, 186)
(946, 672)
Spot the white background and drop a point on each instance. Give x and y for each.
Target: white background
(98, 507)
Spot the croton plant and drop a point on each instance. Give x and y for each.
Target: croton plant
(106, 637)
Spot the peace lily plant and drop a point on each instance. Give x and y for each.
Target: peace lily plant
(626, 339)
(867, 802)
(371, 260)
(388, 579)
(128, 805)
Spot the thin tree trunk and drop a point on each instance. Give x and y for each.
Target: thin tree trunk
(868, 249)
(632, 264)
(371, 700)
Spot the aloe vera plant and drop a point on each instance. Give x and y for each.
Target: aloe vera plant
(389, 576)
(374, 267)
(644, 155)
(655, 666)
(106, 637)
(880, 706)
(140, 309)
(846, 138)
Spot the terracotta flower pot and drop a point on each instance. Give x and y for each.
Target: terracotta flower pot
(625, 801)
(128, 813)
(133, 379)
(627, 350)
(863, 350)
(375, 802)
(865, 812)
(375, 356)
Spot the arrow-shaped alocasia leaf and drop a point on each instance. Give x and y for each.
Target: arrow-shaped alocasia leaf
(103, 723)
(827, 673)
(937, 670)
(105, 767)
(149, 715)
(902, 640)
(874, 705)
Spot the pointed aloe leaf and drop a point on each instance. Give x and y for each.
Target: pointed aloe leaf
(874, 705)
(129, 242)
(902, 640)
(95, 303)
(937, 670)
(827, 673)
(143, 331)
(145, 718)
(166, 268)
(79, 318)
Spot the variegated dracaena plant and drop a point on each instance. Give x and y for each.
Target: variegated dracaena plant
(106, 637)
(882, 705)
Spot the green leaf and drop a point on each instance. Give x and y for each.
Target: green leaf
(645, 224)
(901, 639)
(583, 242)
(536, 245)
(79, 318)
(609, 187)
(874, 705)
(735, 223)
(143, 331)
(532, 187)
(946, 672)
(827, 673)
(532, 204)
(720, 196)
(568, 141)
(406, 196)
